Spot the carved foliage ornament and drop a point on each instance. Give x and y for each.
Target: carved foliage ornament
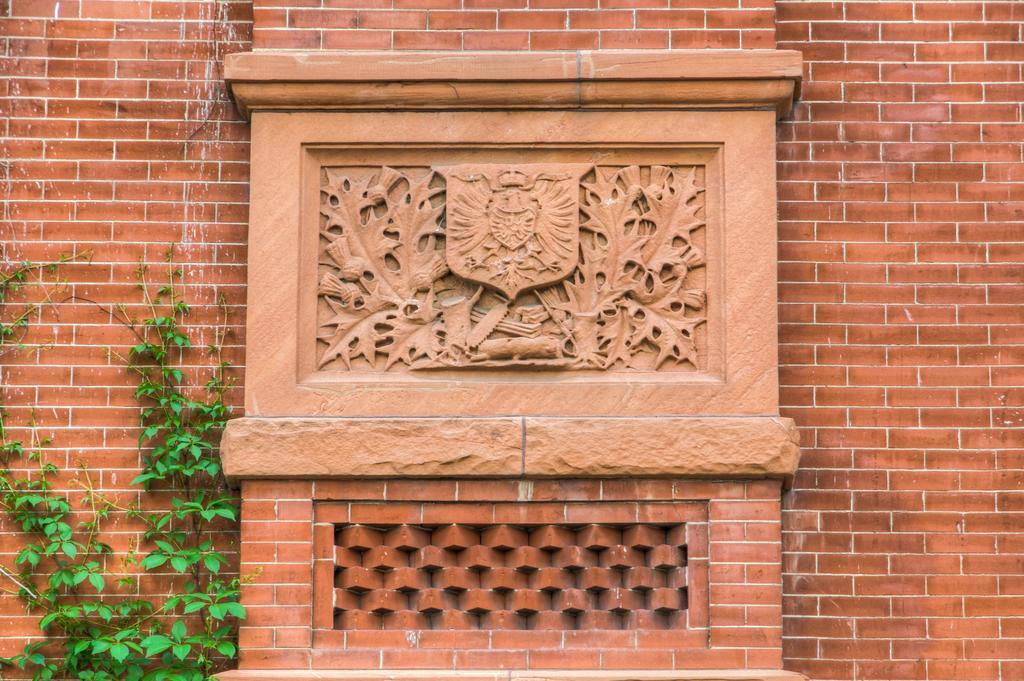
(560, 266)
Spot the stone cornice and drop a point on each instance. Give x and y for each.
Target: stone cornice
(677, 79)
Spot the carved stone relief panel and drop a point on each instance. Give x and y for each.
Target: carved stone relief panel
(558, 266)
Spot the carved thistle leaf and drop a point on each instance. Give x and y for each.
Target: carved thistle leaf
(564, 267)
(411, 337)
(360, 340)
(672, 338)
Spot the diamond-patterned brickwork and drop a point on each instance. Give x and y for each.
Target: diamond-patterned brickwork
(510, 576)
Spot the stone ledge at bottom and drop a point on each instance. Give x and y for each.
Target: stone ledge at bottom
(505, 675)
(708, 447)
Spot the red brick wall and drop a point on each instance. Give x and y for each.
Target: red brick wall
(119, 139)
(513, 24)
(901, 199)
(901, 277)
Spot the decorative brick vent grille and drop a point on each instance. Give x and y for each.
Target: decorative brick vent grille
(594, 536)
(504, 576)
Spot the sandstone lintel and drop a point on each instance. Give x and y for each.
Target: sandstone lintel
(707, 447)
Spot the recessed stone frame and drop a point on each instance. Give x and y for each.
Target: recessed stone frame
(724, 376)
(722, 359)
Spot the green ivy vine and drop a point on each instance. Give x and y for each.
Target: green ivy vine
(95, 622)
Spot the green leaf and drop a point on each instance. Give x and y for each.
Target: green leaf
(143, 478)
(193, 607)
(226, 648)
(153, 560)
(235, 609)
(96, 580)
(156, 644)
(212, 562)
(120, 652)
(181, 651)
(46, 621)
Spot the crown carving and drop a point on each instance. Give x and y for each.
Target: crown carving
(512, 178)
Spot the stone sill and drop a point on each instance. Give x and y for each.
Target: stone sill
(532, 675)
(706, 447)
(681, 79)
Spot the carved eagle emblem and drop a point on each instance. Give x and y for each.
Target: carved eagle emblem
(512, 228)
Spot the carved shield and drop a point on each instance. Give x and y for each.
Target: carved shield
(512, 228)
